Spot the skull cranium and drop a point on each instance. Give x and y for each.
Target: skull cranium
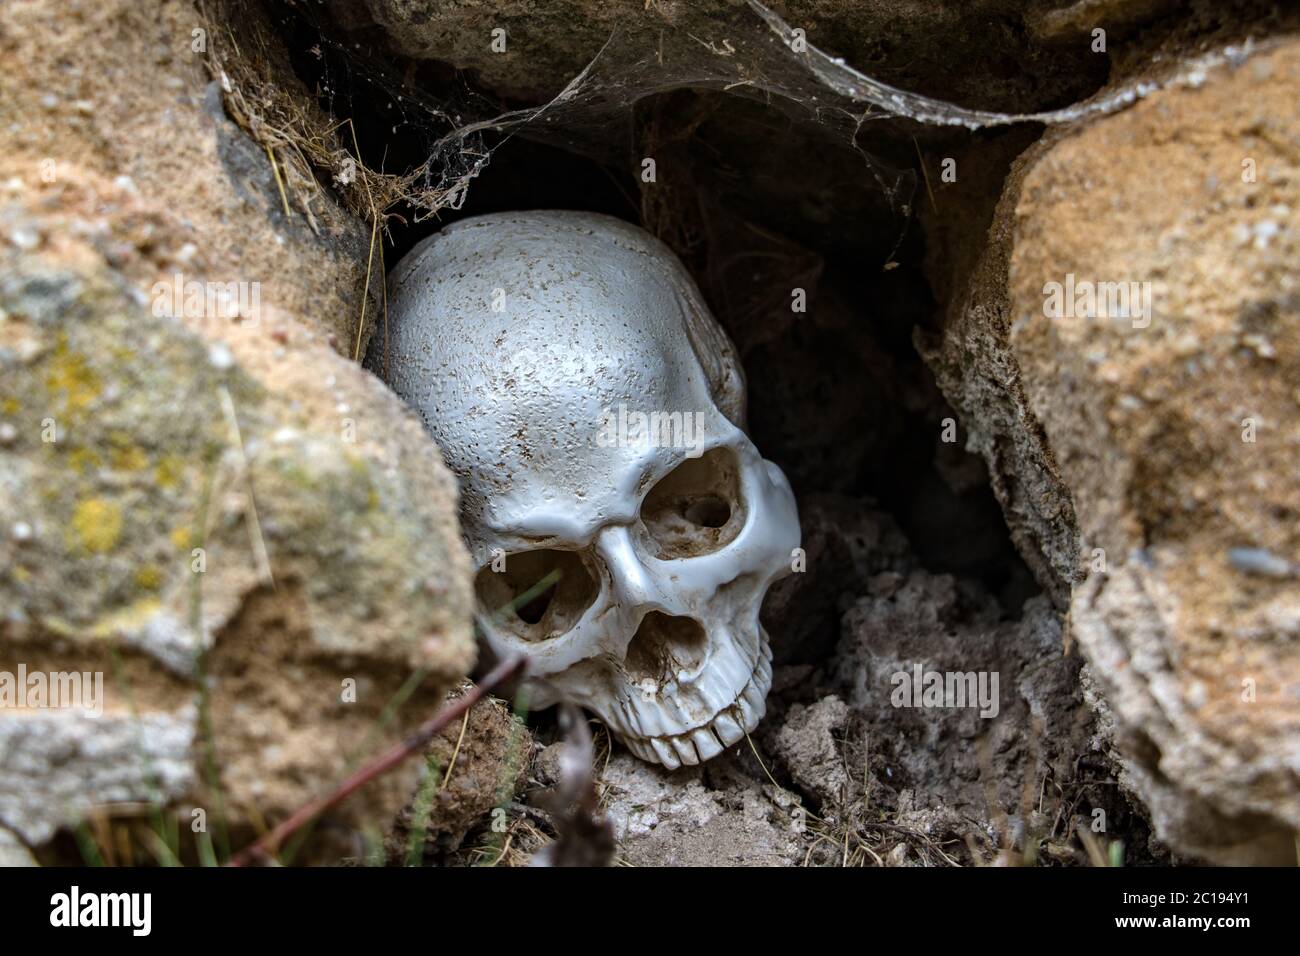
(591, 408)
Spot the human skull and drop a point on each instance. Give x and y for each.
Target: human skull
(620, 519)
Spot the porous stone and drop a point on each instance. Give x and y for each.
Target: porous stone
(473, 767)
(974, 762)
(13, 852)
(246, 533)
(135, 95)
(806, 746)
(1176, 433)
(664, 818)
(1147, 456)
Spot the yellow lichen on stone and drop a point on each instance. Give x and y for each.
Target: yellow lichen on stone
(129, 458)
(360, 470)
(148, 577)
(83, 460)
(122, 620)
(71, 377)
(97, 525)
(168, 471)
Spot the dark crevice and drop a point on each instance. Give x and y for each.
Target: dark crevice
(839, 397)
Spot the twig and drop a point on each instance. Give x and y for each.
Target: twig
(415, 743)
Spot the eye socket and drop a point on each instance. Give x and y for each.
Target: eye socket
(539, 595)
(696, 508)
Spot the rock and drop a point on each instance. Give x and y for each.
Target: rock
(59, 766)
(972, 762)
(972, 363)
(546, 766)
(472, 768)
(120, 90)
(1137, 452)
(664, 818)
(342, 571)
(12, 851)
(806, 747)
(979, 55)
(247, 535)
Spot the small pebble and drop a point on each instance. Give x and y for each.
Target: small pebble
(24, 238)
(1264, 233)
(1259, 561)
(220, 356)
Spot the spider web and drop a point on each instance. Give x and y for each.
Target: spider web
(743, 49)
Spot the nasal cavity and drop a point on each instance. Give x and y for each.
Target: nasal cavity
(663, 645)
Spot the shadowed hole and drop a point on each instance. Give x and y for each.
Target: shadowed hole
(664, 644)
(539, 594)
(696, 508)
(709, 511)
